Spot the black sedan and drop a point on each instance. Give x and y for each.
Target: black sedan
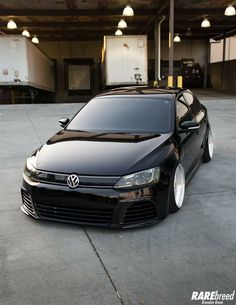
(122, 161)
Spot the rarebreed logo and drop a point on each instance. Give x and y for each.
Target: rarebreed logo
(212, 297)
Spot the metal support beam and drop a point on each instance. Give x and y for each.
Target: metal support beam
(171, 44)
(74, 24)
(221, 27)
(68, 32)
(112, 12)
(73, 12)
(225, 35)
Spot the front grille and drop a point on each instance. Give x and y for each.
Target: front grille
(27, 201)
(140, 212)
(85, 181)
(81, 215)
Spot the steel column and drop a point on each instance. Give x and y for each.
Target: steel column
(171, 44)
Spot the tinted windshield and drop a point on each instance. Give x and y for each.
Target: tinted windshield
(136, 114)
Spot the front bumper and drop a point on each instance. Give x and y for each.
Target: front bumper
(97, 206)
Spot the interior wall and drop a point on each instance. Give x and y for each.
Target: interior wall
(196, 49)
(223, 64)
(223, 75)
(60, 50)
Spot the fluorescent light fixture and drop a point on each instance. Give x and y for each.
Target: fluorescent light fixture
(177, 38)
(230, 10)
(128, 11)
(25, 33)
(11, 24)
(35, 40)
(205, 23)
(122, 24)
(118, 32)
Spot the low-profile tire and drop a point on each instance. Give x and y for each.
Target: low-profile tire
(177, 189)
(209, 147)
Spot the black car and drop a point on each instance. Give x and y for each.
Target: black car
(122, 161)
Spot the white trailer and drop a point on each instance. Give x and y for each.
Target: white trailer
(24, 64)
(124, 60)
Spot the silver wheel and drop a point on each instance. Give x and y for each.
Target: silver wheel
(179, 185)
(210, 144)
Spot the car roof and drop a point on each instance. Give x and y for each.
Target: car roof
(133, 90)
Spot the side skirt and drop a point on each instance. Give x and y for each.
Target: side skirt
(193, 172)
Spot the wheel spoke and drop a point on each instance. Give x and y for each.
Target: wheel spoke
(179, 185)
(210, 144)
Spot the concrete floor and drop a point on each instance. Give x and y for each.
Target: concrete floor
(53, 263)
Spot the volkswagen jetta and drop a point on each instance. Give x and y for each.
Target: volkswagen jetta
(124, 160)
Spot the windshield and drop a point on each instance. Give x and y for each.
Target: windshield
(125, 114)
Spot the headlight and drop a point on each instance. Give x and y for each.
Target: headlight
(148, 176)
(41, 176)
(30, 170)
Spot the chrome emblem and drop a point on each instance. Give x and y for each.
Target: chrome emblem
(73, 181)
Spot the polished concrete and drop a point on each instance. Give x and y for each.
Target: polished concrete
(59, 264)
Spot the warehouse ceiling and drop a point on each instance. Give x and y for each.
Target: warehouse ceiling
(92, 19)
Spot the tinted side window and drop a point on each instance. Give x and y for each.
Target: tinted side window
(182, 111)
(192, 102)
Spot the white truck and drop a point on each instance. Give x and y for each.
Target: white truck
(24, 64)
(124, 60)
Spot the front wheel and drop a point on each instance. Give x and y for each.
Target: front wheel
(177, 189)
(209, 147)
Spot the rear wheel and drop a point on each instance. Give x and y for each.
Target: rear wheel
(209, 147)
(177, 189)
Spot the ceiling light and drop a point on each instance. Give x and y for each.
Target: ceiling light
(11, 24)
(205, 23)
(177, 38)
(230, 10)
(35, 40)
(25, 33)
(118, 32)
(122, 24)
(188, 32)
(128, 11)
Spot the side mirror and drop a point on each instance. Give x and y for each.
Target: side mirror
(189, 126)
(64, 122)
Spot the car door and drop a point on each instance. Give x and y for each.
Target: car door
(199, 115)
(187, 140)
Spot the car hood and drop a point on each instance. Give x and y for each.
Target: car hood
(86, 153)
